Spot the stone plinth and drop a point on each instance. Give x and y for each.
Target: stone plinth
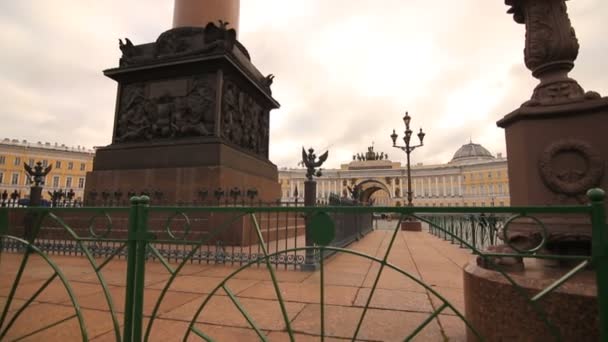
(192, 114)
(179, 171)
(557, 153)
(411, 226)
(499, 312)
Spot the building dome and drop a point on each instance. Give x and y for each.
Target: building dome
(471, 152)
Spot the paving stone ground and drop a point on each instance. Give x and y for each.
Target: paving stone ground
(397, 307)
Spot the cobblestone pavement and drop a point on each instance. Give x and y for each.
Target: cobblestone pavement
(398, 306)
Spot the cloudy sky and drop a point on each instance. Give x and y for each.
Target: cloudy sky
(346, 70)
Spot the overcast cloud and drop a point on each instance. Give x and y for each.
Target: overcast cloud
(346, 70)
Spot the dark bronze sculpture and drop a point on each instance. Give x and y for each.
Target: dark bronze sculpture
(187, 109)
(355, 192)
(370, 155)
(37, 173)
(310, 161)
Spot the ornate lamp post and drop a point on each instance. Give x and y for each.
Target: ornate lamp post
(408, 149)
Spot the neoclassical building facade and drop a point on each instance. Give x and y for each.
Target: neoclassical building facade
(70, 166)
(473, 177)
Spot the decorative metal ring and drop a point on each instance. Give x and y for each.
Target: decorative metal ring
(544, 234)
(108, 225)
(187, 226)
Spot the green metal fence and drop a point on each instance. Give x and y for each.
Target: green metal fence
(141, 230)
(478, 230)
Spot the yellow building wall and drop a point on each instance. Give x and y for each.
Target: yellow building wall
(69, 168)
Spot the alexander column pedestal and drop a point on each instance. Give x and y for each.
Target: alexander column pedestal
(192, 113)
(192, 116)
(557, 148)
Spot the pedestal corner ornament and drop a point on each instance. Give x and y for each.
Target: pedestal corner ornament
(582, 168)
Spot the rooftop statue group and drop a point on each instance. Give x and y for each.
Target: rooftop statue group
(370, 155)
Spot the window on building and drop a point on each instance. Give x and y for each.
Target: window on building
(58, 164)
(55, 181)
(1, 177)
(45, 163)
(490, 174)
(17, 161)
(473, 189)
(500, 188)
(31, 162)
(2, 160)
(81, 184)
(502, 204)
(474, 204)
(491, 189)
(70, 165)
(68, 182)
(498, 173)
(483, 204)
(15, 179)
(83, 167)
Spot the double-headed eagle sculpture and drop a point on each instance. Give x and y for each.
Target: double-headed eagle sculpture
(310, 161)
(37, 173)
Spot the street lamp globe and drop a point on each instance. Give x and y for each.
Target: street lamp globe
(421, 136)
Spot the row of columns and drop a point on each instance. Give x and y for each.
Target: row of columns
(421, 186)
(323, 187)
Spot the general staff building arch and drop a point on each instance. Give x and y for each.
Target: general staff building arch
(473, 177)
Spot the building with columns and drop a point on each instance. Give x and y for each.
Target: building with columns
(70, 165)
(473, 177)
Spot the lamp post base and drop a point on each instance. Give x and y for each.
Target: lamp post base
(411, 226)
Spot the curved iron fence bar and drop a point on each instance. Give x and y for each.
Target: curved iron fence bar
(560, 281)
(169, 221)
(202, 335)
(337, 250)
(62, 277)
(109, 226)
(272, 276)
(162, 259)
(28, 302)
(373, 290)
(496, 267)
(91, 259)
(544, 234)
(245, 314)
(426, 322)
(187, 258)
